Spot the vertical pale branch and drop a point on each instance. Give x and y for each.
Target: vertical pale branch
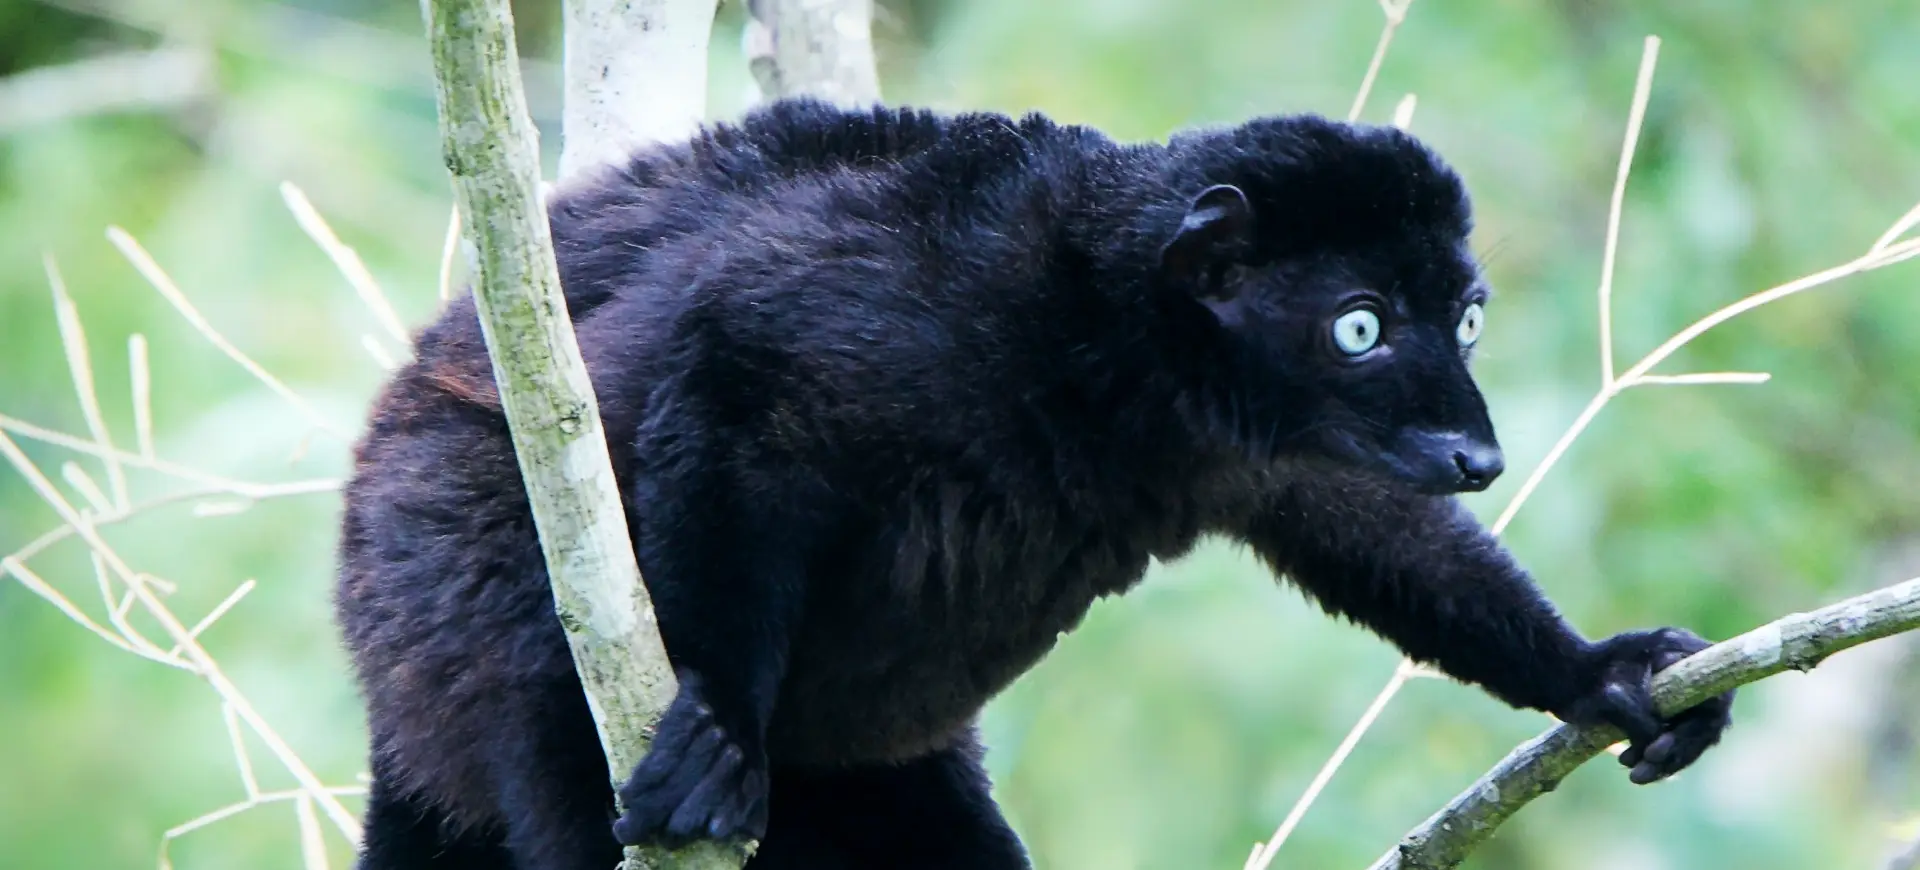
(490, 149)
(820, 48)
(636, 73)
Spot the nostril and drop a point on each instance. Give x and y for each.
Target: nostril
(1468, 468)
(1478, 467)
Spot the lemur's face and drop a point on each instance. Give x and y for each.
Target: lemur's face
(1385, 370)
(1353, 353)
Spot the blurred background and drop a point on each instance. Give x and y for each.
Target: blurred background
(1177, 727)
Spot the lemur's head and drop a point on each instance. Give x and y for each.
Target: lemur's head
(1330, 262)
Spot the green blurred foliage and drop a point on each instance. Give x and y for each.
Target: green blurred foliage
(1179, 724)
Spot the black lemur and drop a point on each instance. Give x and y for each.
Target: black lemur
(893, 396)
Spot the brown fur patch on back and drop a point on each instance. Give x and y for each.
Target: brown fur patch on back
(458, 378)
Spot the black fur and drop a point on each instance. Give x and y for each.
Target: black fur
(895, 397)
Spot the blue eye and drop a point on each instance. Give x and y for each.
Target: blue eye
(1356, 332)
(1472, 321)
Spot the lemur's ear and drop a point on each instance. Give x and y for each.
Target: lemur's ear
(1202, 247)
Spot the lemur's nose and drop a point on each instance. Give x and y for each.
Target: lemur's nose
(1479, 464)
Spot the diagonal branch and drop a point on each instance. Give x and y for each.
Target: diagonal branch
(1799, 641)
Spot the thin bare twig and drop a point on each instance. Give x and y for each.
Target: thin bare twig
(39, 586)
(381, 356)
(214, 615)
(1642, 88)
(66, 530)
(242, 760)
(1403, 112)
(344, 259)
(248, 489)
(1878, 259)
(1699, 378)
(1396, 12)
(234, 809)
(448, 248)
(313, 852)
(1900, 227)
(82, 482)
(80, 366)
(1263, 854)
